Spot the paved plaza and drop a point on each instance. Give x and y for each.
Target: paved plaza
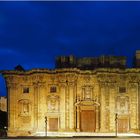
(84, 134)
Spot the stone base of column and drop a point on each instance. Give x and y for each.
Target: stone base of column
(97, 130)
(77, 130)
(103, 130)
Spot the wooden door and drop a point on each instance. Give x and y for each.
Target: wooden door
(53, 124)
(88, 121)
(123, 125)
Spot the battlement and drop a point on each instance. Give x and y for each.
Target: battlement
(91, 62)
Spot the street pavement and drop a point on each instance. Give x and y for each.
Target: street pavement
(80, 136)
(92, 138)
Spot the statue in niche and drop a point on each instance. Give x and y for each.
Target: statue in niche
(53, 104)
(24, 107)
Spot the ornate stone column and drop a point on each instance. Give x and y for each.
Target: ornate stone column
(78, 119)
(112, 106)
(41, 106)
(11, 107)
(35, 106)
(133, 105)
(139, 105)
(97, 119)
(67, 106)
(103, 108)
(71, 106)
(62, 106)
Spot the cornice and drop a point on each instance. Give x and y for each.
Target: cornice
(71, 70)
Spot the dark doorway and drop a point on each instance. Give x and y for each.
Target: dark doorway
(88, 121)
(123, 125)
(53, 124)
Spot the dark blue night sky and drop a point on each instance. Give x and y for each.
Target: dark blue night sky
(34, 33)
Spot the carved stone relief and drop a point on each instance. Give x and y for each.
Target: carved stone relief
(87, 93)
(53, 103)
(71, 77)
(24, 107)
(122, 105)
(87, 78)
(62, 78)
(107, 78)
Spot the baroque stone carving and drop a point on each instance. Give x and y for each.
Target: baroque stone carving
(87, 78)
(53, 103)
(122, 105)
(133, 78)
(107, 78)
(62, 78)
(87, 92)
(71, 77)
(24, 107)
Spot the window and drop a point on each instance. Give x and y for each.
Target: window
(53, 89)
(122, 89)
(25, 90)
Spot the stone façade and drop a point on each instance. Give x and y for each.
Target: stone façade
(72, 99)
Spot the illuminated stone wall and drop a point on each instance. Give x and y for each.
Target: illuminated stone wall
(61, 96)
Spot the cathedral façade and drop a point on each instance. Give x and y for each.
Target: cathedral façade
(79, 95)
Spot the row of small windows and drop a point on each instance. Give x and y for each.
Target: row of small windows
(53, 89)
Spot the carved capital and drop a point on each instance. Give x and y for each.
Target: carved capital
(71, 77)
(123, 77)
(25, 79)
(107, 78)
(71, 84)
(112, 85)
(133, 85)
(102, 84)
(62, 78)
(12, 85)
(42, 84)
(133, 78)
(9, 79)
(87, 78)
(62, 85)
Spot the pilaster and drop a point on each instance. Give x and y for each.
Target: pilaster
(103, 109)
(71, 106)
(62, 106)
(78, 119)
(36, 90)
